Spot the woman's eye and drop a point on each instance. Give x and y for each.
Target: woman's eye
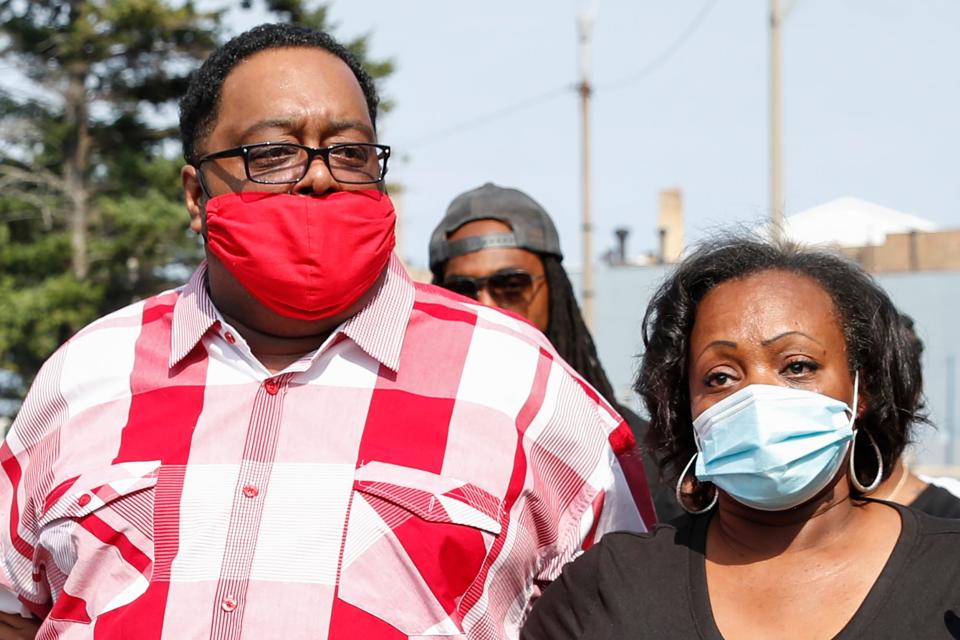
(717, 379)
(800, 367)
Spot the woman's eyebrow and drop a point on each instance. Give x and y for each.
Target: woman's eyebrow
(718, 343)
(769, 341)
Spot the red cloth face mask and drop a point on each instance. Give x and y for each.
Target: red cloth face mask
(303, 257)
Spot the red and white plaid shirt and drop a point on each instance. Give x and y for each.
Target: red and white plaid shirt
(422, 474)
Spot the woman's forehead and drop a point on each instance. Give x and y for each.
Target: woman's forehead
(765, 304)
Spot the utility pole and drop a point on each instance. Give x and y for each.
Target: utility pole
(776, 147)
(584, 30)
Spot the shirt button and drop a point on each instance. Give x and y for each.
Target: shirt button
(84, 500)
(229, 337)
(251, 491)
(271, 386)
(228, 604)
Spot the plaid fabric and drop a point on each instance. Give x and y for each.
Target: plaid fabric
(422, 474)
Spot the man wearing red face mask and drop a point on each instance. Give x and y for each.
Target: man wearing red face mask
(300, 442)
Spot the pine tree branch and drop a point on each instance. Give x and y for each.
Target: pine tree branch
(11, 175)
(41, 203)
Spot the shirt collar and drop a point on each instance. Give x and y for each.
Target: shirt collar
(378, 328)
(193, 315)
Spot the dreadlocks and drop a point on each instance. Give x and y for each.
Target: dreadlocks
(567, 331)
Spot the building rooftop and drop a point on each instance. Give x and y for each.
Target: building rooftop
(851, 222)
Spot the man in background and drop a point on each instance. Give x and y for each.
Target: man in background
(498, 246)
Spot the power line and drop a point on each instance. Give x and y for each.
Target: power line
(533, 101)
(491, 116)
(666, 54)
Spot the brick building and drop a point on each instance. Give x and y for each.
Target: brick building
(882, 240)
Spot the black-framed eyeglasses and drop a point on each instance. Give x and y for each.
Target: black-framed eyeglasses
(510, 289)
(288, 163)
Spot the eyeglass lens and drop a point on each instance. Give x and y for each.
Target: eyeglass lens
(510, 289)
(282, 163)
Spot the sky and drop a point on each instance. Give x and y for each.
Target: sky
(871, 95)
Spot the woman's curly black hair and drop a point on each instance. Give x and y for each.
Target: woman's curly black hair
(880, 345)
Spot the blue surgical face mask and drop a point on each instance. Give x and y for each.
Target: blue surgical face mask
(773, 448)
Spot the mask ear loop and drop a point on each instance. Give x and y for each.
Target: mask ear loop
(856, 401)
(679, 495)
(854, 480)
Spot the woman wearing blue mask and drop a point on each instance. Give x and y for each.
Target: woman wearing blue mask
(778, 390)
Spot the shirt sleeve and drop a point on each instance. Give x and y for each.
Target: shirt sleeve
(17, 552)
(613, 497)
(624, 500)
(563, 610)
(32, 440)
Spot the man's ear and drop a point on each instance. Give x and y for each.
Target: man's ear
(193, 198)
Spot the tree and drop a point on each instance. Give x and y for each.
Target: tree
(300, 13)
(91, 214)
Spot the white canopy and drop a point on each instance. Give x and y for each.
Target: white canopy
(850, 222)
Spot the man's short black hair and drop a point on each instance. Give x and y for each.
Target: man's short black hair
(198, 107)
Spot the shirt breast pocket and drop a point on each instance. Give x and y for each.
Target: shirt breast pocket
(415, 543)
(96, 544)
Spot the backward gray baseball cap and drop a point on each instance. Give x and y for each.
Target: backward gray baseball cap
(531, 226)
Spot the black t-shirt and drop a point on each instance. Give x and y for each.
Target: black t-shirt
(937, 501)
(653, 585)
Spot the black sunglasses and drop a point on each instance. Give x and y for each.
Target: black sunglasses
(510, 289)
